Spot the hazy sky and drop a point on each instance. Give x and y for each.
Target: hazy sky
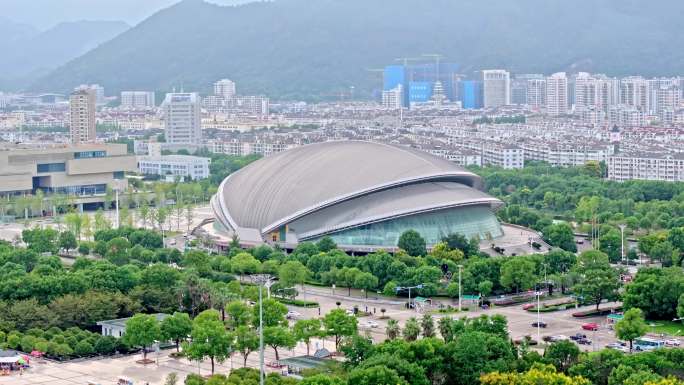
(46, 13)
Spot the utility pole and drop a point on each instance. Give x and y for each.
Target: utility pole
(460, 268)
(118, 219)
(261, 280)
(622, 241)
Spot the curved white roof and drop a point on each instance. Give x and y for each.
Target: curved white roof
(276, 190)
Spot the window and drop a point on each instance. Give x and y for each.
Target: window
(51, 167)
(118, 174)
(89, 154)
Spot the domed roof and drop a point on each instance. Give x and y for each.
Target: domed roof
(276, 190)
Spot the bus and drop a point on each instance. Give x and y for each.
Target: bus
(645, 344)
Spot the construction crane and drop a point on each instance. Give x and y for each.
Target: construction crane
(437, 58)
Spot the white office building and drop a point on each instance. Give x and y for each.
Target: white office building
(182, 119)
(557, 94)
(184, 166)
(646, 166)
(137, 99)
(634, 91)
(496, 88)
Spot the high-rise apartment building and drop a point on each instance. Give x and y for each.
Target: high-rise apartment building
(519, 87)
(137, 99)
(82, 115)
(182, 123)
(557, 94)
(536, 92)
(225, 88)
(496, 88)
(634, 91)
(392, 99)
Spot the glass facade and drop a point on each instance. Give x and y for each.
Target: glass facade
(51, 167)
(471, 221)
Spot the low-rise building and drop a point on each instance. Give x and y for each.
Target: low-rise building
(84, 171)
(184, 166)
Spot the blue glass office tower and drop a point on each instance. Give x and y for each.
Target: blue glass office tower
(471, 94)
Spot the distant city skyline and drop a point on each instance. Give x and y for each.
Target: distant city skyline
(54, 12)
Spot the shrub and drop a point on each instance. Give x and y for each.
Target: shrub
(298, 302)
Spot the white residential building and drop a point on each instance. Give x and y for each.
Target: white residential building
(536, 92)
(184, 166)
(557, 94)
(647, 166)
(137, 99)
(225, 88)
(496, 88)
(634, 91)
(392, 99)
(182, 123)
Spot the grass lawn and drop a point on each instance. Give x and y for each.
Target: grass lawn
(674, 328)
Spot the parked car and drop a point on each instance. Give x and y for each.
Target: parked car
(528, 306)
(591, 326)
(672, 342)
(584, 341)
(578, 337)
(559, 337)
(293, 314)
(540, 324)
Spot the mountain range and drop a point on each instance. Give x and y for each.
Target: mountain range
(29, 53)
(312, 48)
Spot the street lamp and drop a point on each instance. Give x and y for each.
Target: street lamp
(261, 280)
(399, 288)
(622, 241)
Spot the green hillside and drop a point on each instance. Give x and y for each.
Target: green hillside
(309, 48)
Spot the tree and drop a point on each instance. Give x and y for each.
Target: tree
(40, 240)
(631, 326)
(597, 279)
(428, 326)
(366, 282)
(338, 324)
(326, 244)
(273, 313)
(239, 314)
(277, 337)
(413, 243)
(244, 263)
(293, 272)
(518, 273)
(441, 251)
(305, 329)
(611, 244)
(176, 328)
(680, 307)
(375, 375)
(485, 288)
(74, 222)
(246, 341)
(209, 338)
(561, 235)
(562, 354)
(411, 329)
(189, 216)
(538, 375)
(142, 330)
(393, 330)
(171, 379)
(456, 241)
(67, 241)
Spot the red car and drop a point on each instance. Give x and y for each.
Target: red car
(528, 306)
(593, 326)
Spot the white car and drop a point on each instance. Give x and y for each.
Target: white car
(618, 346)
(672, 342)
(370, 324)
(293, 314)
(559, 337)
